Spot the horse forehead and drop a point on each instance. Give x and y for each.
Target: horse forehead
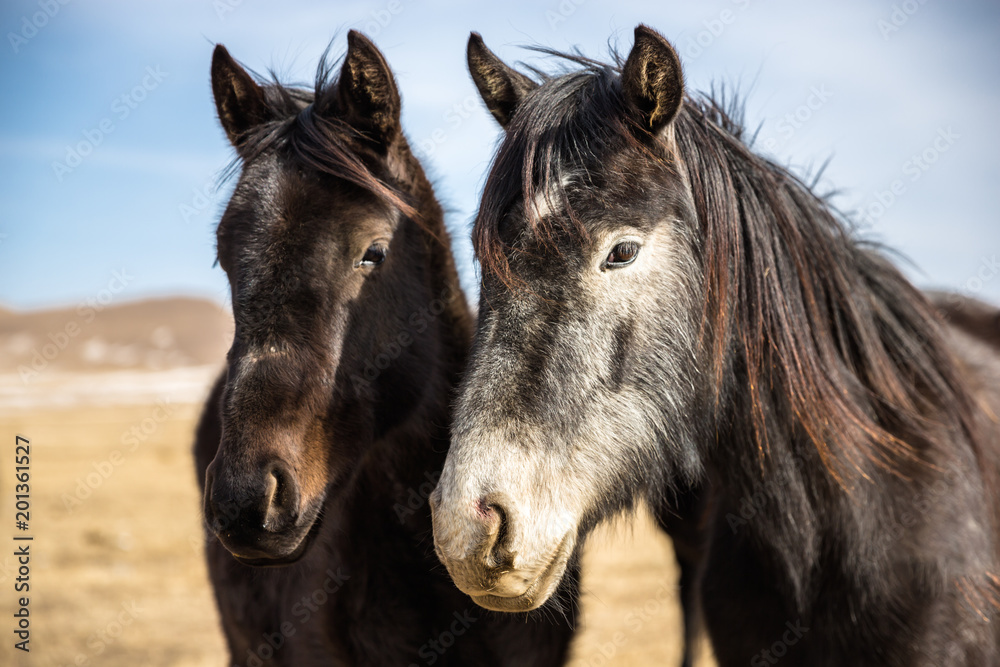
(283, 211)
(550, 199)
(272, 187)
(599, 194)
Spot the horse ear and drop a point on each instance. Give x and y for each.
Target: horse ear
(500, 86)
(239, 101)
(652, 80)
(367, 90)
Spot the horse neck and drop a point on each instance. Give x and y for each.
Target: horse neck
(408, 459)
(456, 321)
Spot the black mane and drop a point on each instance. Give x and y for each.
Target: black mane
(315, 139)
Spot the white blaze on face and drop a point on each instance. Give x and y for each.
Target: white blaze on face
(549, 200)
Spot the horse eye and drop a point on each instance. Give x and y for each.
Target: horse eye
(622, 254)
(374, 256)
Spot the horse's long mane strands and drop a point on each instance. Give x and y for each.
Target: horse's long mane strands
(320, 142)
(823, 320)
(579, 117)
(818, 319)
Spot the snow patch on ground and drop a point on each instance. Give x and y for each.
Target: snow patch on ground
(132, 387)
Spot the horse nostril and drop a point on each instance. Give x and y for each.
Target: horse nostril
(281, 498)
(489, 513)
(270, 489)
(495, 518)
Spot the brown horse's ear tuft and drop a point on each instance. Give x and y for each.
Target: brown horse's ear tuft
(367, 91)
(239, 100)
(652, 80)
(500, 86)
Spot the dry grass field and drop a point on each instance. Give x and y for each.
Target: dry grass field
(118, 578)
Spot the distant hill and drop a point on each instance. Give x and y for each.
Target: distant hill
(154, 335)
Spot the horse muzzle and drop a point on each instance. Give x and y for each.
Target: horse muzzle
(478, 549)
(257, 514)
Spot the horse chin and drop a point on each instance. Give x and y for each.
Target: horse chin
(539, 591)
(296, 554)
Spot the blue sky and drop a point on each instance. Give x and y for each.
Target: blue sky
(903, 95)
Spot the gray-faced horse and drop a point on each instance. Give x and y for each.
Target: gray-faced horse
(660, 307)
(321, 440)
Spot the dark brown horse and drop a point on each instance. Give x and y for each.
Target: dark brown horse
(660, 307)
(320, 443)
